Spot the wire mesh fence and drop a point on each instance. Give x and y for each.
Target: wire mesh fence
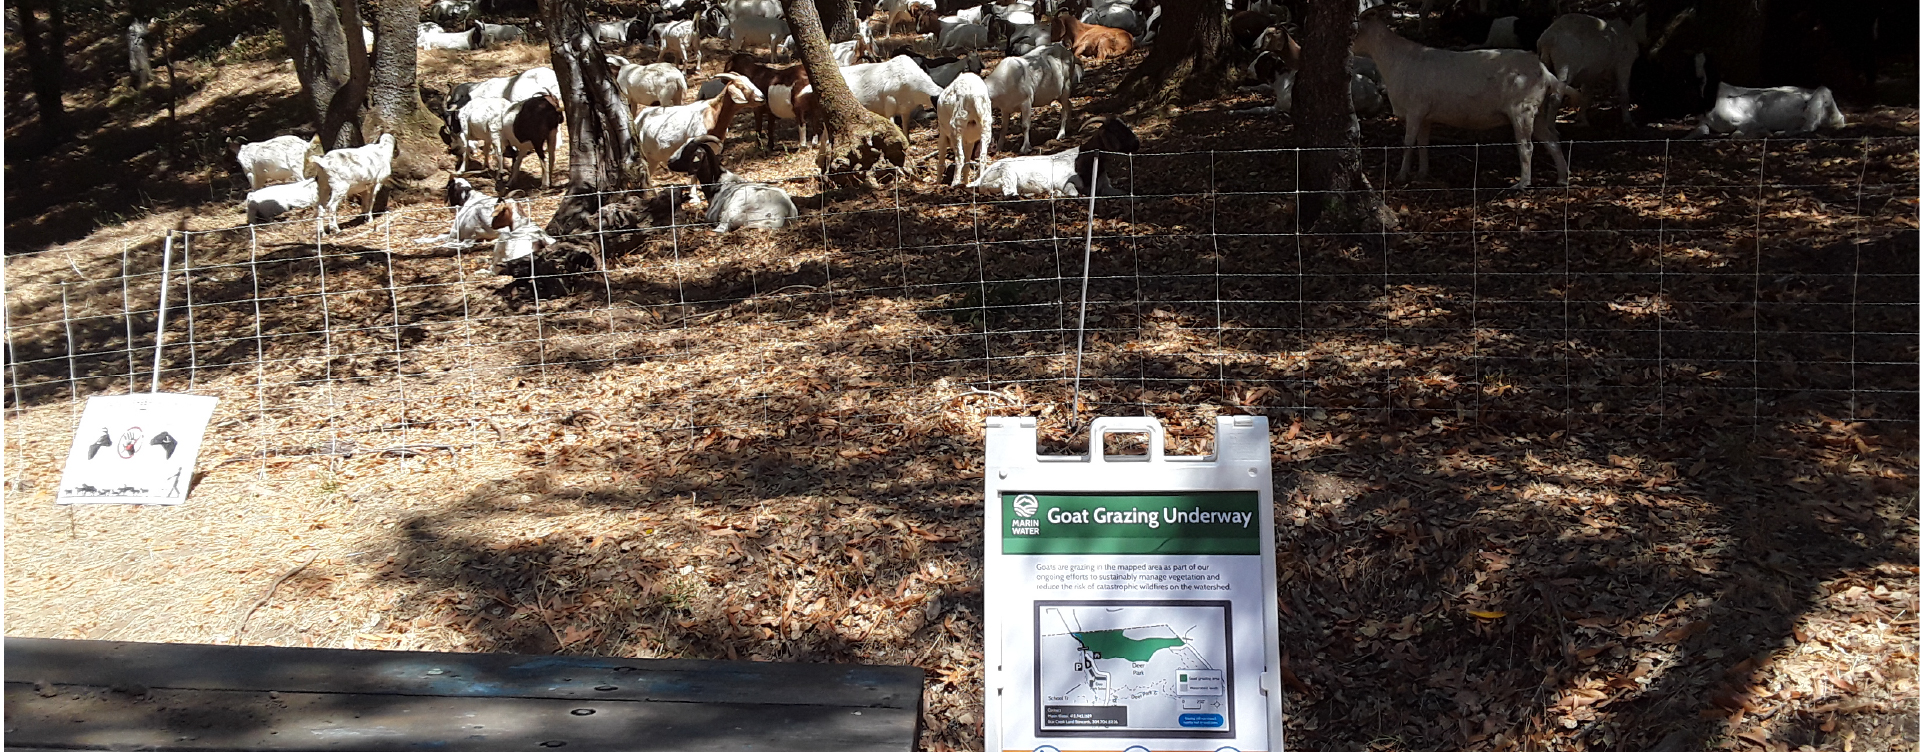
(1675, 286)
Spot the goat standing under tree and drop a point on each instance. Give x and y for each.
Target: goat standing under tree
(856, 139)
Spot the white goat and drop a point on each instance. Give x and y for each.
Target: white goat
(1036, 79)
(471, 39)
(658, 83)
(1781, 109)
(480, 123)
(680, 39)
(966, 122)
(1059, 174)
(1582, 50)
(963, 38)
(264, 204)
(849, 52)
(1477, 89)
(492, 34)
(897, 88)
(732, 202)
(522, 238)
(661, 131)
(746, 32)
(348, 173)
(523, 85)
(618, 32)
(280, 159)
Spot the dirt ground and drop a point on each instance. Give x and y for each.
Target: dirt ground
(1660, 424)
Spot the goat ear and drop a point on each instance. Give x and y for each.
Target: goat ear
(502, 216)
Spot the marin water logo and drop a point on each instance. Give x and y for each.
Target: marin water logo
(1025, 505)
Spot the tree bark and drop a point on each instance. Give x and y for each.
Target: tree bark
(1334, 188)
(139, 53)
(842, 18)
(392, 84)
(1191, 60)
(600, 155)
(331, 64)
(857, 139)
(45, 45)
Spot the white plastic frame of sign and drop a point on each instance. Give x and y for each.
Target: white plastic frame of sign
(1072, 539)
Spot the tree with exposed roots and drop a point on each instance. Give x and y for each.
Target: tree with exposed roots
(857, 139)
(600, 151)
(1191, 59)
(1336, 190)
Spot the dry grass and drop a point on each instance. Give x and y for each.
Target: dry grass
(1663, 440)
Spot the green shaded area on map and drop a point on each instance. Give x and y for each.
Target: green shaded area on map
(1111, 643)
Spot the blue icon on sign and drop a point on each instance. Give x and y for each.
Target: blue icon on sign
(1202, 720)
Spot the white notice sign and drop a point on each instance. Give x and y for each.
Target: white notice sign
(135, 449)
(1131, 599)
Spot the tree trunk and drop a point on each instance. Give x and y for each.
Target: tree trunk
(600, 155)
(331, 64)
(45, 45)
(391, 83)
(842, 18)
(139, 53)
(1335, 190)
(857, 139)
(1191, 60)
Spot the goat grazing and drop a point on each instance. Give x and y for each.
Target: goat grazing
(281, 159)
(1066, 173)
(747, 32)
(1748, 112)
(781, 87)
(265, 204)
(1036, 79)
(965, 120)
(944, 69)
(1088, 40)
(1476, 89)
(1582, 50)
(481, 121)
(731, 202)
(532, 125)
(661, 131)
(897, 88)
(679, 39)
(349, 173)
(657, 83)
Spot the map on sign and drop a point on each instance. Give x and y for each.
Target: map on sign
(1133, 666)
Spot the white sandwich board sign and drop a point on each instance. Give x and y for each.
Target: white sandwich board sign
(135, 449)
(1131, 599)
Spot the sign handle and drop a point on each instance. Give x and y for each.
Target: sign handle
(1156, 438)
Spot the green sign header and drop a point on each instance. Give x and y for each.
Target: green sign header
(1201, 522)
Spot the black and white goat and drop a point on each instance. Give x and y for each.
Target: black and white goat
(731, 201)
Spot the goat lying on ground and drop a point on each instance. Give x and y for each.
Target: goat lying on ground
(1068, 173)
(1477, 89)
(731, 202)
(1090, 41)
(280, 159)
(478, 216)
(349, 173)
(518, 238)
(471, 39)
(1792, 110)
(266, 204)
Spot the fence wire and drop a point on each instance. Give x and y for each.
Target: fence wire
(1675, 286)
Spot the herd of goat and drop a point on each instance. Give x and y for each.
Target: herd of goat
(1573, 60)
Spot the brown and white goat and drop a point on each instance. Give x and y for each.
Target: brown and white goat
(661, 131)
(781, 88)
(1090, 41)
